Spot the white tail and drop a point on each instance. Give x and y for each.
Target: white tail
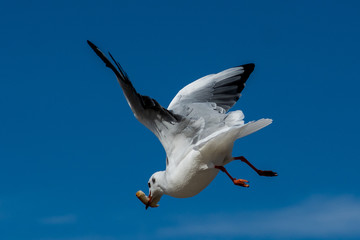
(252, 127)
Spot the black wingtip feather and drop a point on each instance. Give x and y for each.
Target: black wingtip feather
(248, 67)
(100, 54)
(91, 44)
(121, 74)
(121, 70)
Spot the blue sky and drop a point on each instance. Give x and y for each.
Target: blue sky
(73, 156)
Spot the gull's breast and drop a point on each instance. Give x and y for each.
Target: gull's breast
(191, 183)
(193, 174)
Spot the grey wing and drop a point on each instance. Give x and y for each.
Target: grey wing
(223, 88)
(147, 110)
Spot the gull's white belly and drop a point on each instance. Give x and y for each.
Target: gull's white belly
(196, 171)
(192, 184)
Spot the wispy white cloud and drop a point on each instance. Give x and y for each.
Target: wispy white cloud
(316, 217)
(56, 220)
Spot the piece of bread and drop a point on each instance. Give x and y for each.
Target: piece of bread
(144, 199)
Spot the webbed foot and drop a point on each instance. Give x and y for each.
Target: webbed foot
(241, 182)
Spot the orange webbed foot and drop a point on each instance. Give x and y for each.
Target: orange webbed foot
(241, 182)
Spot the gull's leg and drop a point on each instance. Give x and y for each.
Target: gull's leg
(238, 182)
(266, 173)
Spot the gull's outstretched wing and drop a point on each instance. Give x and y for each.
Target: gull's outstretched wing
(223, 88)
(147, 110)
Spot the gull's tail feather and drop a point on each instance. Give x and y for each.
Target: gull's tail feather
(228, 135)
(252, 127)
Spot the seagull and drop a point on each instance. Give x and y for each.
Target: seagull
(197, 130)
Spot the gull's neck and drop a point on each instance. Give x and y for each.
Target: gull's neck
(162, 180)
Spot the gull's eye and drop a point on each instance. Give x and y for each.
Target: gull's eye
(149, 184)
(153, 180)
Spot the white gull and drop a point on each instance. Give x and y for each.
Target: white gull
(196, 130)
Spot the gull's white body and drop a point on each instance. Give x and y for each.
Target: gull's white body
(196, 169)
(196, 130)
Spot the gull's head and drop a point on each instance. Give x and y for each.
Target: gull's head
(156, 185)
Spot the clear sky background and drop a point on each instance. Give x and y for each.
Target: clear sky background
(72, 155)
